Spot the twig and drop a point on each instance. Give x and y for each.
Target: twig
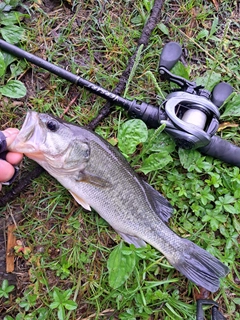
(107, 313)
(70, 104)
(151, 23)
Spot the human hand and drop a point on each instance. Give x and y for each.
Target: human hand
(11, 159)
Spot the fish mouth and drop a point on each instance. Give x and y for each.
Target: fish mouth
(30, 135)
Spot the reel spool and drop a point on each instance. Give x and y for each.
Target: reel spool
(192, 120)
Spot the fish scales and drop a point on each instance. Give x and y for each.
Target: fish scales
(126, 212)
(99, 177)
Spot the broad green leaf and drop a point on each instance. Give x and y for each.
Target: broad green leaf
(230, 208)
(206, 218)
(54, 305)
(4, 7)
(236, 300)
(66, 294)
(180, 70)
(10, 288)
(9, 4)
(13, 89)
(222, 218)
(159, 142)
(3, 294)
(148, 4)
(131, 134)
(4, 284)
(2, 65)
(120, 266)
(214, 224)
(155, 162)
(57, 296)
(209, 80)
(236, 224)
(70, 305)
(202, 34)
(16, 70)
(11, 18)
(163, 28)
(61, 313)
(136, 20)
(188, 158)
(232, 108)
(43, 313)
(8, 58)
(12, 34)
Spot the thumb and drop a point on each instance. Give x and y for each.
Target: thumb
(10, 134)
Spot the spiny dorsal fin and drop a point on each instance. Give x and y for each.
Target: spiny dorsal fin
(160, 205)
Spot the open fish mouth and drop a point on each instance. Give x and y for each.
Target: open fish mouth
(27, 129)
(28, 138)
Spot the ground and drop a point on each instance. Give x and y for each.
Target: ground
(70, 247)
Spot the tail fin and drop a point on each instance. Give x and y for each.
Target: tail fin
(200, 266)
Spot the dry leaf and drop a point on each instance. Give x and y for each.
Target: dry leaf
(11, 243)
(201, 293)
(216, 4)
(225, 125)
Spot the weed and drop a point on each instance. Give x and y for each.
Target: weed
(61, 302)
(28, 301)
(5, 289)
(13, 34)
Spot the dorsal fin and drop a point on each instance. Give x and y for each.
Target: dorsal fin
(160, 205)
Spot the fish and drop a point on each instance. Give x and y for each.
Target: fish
(99, 177)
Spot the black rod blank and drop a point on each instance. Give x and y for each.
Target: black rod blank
(150, 114)
(108, 95)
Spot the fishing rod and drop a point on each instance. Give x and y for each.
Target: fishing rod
(191, 114)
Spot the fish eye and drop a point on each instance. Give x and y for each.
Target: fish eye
(52, 125)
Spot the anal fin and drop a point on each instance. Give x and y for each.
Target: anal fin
(132, 239)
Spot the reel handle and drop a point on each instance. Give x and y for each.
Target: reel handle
(170, 55)
(220, 93)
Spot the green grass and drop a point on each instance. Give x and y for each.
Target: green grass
(70, 248)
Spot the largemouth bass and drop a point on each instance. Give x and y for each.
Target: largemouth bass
(99, 177)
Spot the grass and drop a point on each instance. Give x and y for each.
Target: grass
(69, 247)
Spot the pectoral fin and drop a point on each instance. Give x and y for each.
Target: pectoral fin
(80, 201)
(92, 179)
(132, 240)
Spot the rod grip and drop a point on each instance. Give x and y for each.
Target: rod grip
(222, 150)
